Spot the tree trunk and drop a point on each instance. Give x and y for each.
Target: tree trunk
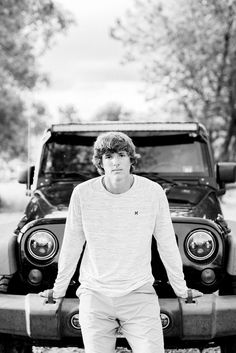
(231, 133)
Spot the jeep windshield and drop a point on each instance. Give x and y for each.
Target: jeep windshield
(69, 156)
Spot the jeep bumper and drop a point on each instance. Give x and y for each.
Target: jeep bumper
(209, 317)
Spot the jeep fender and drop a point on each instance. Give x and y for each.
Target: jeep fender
(7, 253)
(231, 265)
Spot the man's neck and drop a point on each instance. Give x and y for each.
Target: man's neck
(118, 186)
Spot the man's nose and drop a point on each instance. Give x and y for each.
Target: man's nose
(115, 160)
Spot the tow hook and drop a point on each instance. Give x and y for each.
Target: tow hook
(50, 299)
(189, 299)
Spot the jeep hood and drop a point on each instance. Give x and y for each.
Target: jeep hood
(194, 201)
(184, 200)
(49, 201)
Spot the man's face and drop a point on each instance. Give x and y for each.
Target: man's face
(116, 164)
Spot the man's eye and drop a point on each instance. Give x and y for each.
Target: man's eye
(122, 154)
(107, 156)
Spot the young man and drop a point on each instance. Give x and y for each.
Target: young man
(116, 215)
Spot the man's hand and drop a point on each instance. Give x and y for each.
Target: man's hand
(48, 293)
(194, 293)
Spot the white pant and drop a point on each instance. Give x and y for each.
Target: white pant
(137, 314)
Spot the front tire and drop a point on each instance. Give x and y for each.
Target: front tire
(4, 282)
(11, 345)
(229, 346)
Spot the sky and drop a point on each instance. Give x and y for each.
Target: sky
(85, 65)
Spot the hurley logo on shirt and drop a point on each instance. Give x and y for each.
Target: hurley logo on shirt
(136, 213)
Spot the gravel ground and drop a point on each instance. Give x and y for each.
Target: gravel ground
(121, 350)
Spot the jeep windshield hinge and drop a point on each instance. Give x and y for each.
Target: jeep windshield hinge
(222, 223)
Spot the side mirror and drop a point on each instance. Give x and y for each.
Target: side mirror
(225, 173)
(27, 177)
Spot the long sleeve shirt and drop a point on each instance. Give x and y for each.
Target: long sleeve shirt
(118, 229)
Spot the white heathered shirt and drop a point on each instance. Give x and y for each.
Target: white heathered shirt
(118, 231)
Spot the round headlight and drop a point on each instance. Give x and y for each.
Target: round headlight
(200, 245)
(42, 245)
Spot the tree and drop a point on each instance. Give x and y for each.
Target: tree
(27, 29)
(12, 128)
(68, 114)
(112, 111)
(188, 50)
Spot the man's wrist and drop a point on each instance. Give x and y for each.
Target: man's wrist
(191, 293)
(51, 294)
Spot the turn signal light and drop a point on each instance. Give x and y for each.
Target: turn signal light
(208, 276)
(35, 276)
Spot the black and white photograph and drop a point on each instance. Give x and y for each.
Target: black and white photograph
(118, 176)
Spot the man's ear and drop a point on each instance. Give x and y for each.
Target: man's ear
(101, 166)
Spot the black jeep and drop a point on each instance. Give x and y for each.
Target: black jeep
(176, 155)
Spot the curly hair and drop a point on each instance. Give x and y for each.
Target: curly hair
(113, 142)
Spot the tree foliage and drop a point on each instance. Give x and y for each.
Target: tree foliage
(27, 29)
(188, 50)
(12, 128)
(112, 111)
(69, 114)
